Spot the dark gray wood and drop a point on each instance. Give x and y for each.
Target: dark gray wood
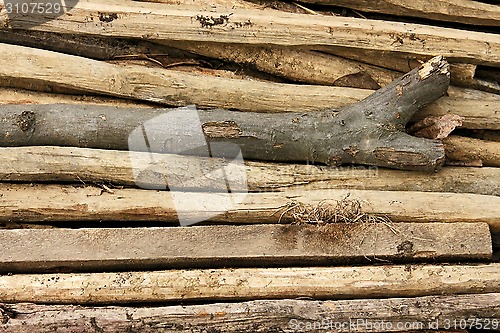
(363, 315)
(32, 250)
(370, 132)
(93, 47)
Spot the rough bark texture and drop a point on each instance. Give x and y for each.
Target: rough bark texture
(388, 315)
(49, 71)
(49, 203)
(250, 283)
(160, 22)
(76, 165)
(104, 249)
(368, 132)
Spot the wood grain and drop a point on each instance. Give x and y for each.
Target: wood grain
(162, 22)
(250, 283)
(104, 249)
(91, 166)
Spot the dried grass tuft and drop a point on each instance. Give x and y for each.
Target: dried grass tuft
(330, 211)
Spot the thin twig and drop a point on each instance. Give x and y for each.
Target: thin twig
(310, 11)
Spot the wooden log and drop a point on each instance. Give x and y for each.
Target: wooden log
(211, 4)
(457, 11)
(463, 149)
(23, 96)
(149, 84)
(250, 283)
(261, 138)
(161, 22)
(49, 203)
(367, 315)
(94, 47)
(297, 65)
(477, 114)
(106, 249)
(77, 165)
(462, 74)
(34, 70)
(312, 67)
(365, 133)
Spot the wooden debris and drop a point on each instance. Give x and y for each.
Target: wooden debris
(250, 283)
(365, 133)
(372, 315)
(462, 74)
(464, 149)
(104, 249)
(461, 11)
(76, 165)
(67, 203)
(436, 127)
(161, 22)
(297, 65)
(162, 86)
(480, 110)
(261, 316)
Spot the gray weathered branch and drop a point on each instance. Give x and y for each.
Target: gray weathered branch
(369, 132)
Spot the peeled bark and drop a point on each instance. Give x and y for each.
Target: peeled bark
(369, 132)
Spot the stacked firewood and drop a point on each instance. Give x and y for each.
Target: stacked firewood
(347, 178)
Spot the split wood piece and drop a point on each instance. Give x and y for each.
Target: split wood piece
(76, 165)
(463, 149)
(456, 11)
(159, 22)
(35, 69)
(251, 283)
(53, 203)
(291, 63)
(462, 74)
(480, 110)
(22, 96)
(105, 249)
(214, 5)
(476, 107)
(468, 76)
(297, 64)
(93, 47)
(326, 69)
(368, 132)
(364, 315)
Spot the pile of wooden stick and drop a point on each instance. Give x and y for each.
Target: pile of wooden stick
(320, 97)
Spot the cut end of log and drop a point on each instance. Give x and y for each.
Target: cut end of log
(436, 65)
